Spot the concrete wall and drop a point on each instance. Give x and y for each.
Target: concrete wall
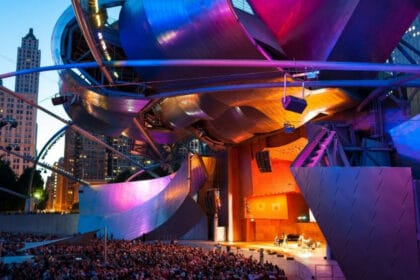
(40, 223)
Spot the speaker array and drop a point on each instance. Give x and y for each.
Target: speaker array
(263, 161)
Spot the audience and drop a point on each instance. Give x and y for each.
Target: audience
(129, 260)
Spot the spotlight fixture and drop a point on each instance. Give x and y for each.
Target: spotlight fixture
(292, 103)
(58, 100)
(288, 128)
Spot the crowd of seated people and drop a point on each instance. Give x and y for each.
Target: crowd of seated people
(10, 243)
(135, 260)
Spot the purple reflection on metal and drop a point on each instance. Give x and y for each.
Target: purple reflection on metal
(131, 209)
(184, 29)
(305, 29)
(124, 196)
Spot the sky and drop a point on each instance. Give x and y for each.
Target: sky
(16, 17)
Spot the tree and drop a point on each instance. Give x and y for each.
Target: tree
(8, 181)
(7, 176)
(23, 182)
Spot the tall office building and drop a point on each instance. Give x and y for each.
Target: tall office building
(89, 161)
(59, 197)
(29, 56)
(86, 160)
(18, 131)
(116, 164)
(407, 51)
(51, 191)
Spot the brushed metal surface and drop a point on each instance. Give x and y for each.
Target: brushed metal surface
(238, 115)
(305, 30)
(151, 29)
(406, 138)
(155, 29)
(131, 209)
(337, 29)
(367, 216)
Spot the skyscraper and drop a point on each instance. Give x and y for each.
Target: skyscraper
(89, 161)
(18, 118)
(28, 56)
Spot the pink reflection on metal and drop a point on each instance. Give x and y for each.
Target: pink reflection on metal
(126, 195)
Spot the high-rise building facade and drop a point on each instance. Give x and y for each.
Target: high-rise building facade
(88, 160)
(28, 56)
(59, 197)
(51, 191)
(407, 50)
(116, 164)
(19, 119)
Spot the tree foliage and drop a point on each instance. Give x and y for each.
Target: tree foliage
(7, 176)
(37, 187)
(9, 180)
(24, 180)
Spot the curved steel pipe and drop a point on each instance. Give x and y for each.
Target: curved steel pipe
(45, 148)
(297, 65)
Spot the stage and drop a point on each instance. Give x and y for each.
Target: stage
(298, 262)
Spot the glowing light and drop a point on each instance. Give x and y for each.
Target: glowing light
(313, 113)
(80, 75)
(305, 255)
(166, 37)
(98, 20)
(38, 195)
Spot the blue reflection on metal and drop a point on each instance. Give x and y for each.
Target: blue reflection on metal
(406, 138)
(321, 65)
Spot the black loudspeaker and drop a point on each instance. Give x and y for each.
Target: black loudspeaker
(294, 104)
(263, 161)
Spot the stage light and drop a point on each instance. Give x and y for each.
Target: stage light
(58, 100)
(288, 128)
(292, 103)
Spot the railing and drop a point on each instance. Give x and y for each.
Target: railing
(309, 149)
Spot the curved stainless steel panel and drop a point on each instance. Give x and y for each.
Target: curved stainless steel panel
(337, 30)
(58, 32)
(131, 209)
(156, 29)
(95, 111)
(306, 30)
(238, 115)
(213, 29)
